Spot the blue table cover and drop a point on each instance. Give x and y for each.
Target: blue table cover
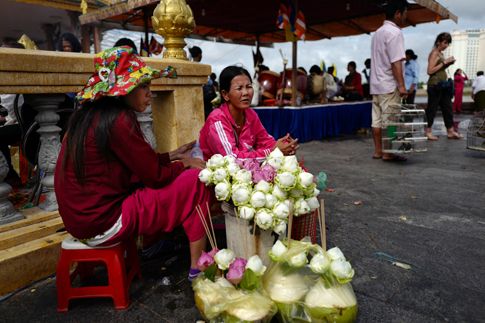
(309, 123)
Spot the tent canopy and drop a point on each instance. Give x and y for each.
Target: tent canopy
(256, 19)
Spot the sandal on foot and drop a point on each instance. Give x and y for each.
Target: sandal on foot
(455, 135)
(431, 137)
(395, 158)
(376, 156)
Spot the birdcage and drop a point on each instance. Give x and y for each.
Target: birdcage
(475, 137)
(404, 130)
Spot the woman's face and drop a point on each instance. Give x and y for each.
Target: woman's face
(66, 46)
(240, 93)
(140, 98)
(442, 45)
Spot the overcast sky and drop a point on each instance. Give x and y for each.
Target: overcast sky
(340, 51)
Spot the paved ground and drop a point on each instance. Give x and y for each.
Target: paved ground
(428, 212)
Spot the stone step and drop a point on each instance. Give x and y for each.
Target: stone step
(29, 249)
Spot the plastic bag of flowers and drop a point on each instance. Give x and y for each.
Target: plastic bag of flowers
(229, 289)
(309, 284)
(266, 193)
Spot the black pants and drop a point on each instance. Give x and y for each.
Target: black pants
(439, 97)
(410, 98)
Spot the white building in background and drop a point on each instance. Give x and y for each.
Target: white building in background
(468, 47)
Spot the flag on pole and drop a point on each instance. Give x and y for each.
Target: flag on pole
(257, 57)
(300, 25)
(143, 48)
(293, 23)
(282, 20)
(155, 47)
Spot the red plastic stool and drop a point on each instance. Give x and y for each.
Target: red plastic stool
(119, 278)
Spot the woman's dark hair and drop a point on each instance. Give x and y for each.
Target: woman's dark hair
(442, 37)
(126, 42)
(352, 63)
(75, 44)
(330, 70)
(457, 70)
(393, 6)
(315, 69)
(228, 74)
(195, 51)
(411, 54)
(104, 112)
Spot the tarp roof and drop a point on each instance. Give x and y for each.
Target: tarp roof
(73, 5)
(220, 19)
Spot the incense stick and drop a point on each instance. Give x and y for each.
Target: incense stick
(204, 224)
(290, 225)
(212, 225)
(323, 231)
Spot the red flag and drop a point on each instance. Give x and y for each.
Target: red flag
(300, 25)
(155, 47)
(282, 20)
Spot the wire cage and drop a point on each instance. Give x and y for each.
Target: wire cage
(404, 130)
(475, 137)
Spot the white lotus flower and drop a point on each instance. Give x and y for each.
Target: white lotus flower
(313, 203)
(258, 199)
(335, 254)
(278, 249)
(223, 191)
(298, 260)
(219, 175)
(290, 204)
(305, 179)
(205, 176)
(342, 270)
(229, 159)
(216, 161)
(286, 180)
(301, 207)
(264, 219)
(320, 263)
(296, 193)
(270, 201)
(256, 265)
(243, 176)
(279, 227)
(281, 210)
(290, 164)
(232, 168)
(263, 186)
(241, 194)
(276, 159)
(279, 193)
(246, 212)
(224, 258)
(316, 191)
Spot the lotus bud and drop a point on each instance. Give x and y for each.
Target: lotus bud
(270, 201)
(296, 193)
(298, 260)
(264, 219)
(313, 203)
(243, 176)
(258, 199)
(281, 210)
(301, 207)
(205, 176)
(320, 263)
(276, 153)
(280, 227)
(232, 169)
(278, 250)
(305, 179)
(224, 258)
(316, 191)
(286, 180)
(205, 260)
(229, 159)
(335, 254)
(279, 193)
(219, 175)
(256, 265)
(342, 270)
(240, 194)
(276, 159)
(263, 186)
(246, 212)
(223, 191)
(236, 271)
(216, 161)
(290, 164)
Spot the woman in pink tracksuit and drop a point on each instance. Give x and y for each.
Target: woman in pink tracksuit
(234, 128)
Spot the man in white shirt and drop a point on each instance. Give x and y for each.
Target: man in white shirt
(387, 77)
(478, 91)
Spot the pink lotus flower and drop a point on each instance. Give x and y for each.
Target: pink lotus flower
(268, 173)
(258, 176)
(206, 259)
(236, 271)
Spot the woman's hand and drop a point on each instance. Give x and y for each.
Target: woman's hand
(287, 145)
(193, 163)
(182, 151)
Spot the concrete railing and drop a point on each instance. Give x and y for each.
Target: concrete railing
(43, 77)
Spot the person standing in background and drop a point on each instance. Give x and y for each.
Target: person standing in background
(366, 79)
(459, 83)
(195, 53)
(411, 72)
(387, 80)
(69, 43)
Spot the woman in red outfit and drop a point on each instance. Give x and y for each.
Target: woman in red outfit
(110, 184)
(459, 78)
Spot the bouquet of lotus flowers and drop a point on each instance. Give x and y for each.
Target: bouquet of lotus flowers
(309, 284)
(229, 288)
(267, 192)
